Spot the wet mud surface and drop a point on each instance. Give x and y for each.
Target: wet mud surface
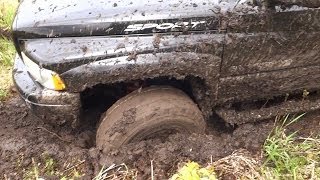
(23, 137)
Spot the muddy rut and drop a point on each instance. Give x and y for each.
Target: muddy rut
(24, 137)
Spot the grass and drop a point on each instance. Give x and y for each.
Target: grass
(284, 156)
(7, 12)
(115, 172)
(289, 156)
(45, 166)
(7, 50)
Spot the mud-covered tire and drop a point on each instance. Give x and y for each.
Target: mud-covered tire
(147, 113)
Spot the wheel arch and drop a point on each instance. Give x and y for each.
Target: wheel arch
(199, 71)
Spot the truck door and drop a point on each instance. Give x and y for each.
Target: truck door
(270, 53)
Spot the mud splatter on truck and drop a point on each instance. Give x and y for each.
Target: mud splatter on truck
(243, 61)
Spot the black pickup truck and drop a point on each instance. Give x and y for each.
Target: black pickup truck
(157, 67)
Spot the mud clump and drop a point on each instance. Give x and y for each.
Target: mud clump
(129, 117)
(166, 155)
(24, 137)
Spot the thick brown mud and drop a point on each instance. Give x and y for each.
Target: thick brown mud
(24, 137)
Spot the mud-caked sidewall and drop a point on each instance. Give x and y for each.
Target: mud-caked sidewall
(143, 114)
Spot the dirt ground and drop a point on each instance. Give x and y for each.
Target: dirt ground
(24, 137)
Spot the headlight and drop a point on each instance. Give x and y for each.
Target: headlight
(45, 77)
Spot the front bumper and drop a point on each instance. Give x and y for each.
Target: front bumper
(54, 107)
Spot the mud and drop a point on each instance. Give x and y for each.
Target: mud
(265, 52)
(305, 3)
(240, 51)
(180, 148)
(5, 33)
(234, 116)
(268, 85)
(23, 136)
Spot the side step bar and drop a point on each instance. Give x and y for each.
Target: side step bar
(253, 115)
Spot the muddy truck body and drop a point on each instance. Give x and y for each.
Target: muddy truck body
(242, 61)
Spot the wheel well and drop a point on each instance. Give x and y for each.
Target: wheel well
(99, 98)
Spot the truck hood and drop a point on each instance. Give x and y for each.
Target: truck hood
(42, 18)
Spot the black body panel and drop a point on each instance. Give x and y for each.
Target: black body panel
(241, 51)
